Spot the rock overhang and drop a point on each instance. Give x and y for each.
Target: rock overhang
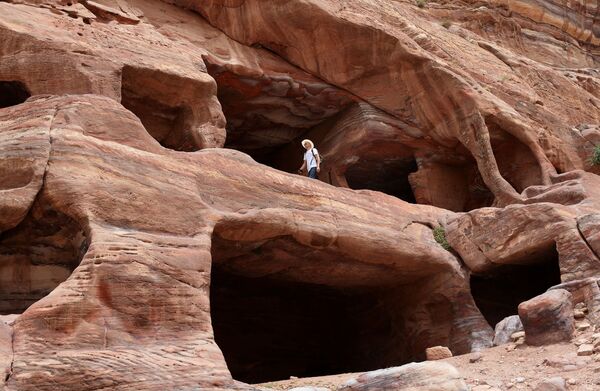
(354, 246)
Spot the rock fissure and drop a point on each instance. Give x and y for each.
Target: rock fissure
(585, 240)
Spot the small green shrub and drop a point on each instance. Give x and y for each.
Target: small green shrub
(446, 24)
(595, 160)
(439, 234)
(421, 3)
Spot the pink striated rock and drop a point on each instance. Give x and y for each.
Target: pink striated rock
(415, 376)
(6, 351)
(548, 318)
(143, 258)
(136, 294)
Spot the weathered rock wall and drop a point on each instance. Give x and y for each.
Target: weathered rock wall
(139, 299)
(119, 203)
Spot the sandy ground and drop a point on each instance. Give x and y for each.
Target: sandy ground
(506, 367)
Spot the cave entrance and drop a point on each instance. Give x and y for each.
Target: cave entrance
(499, 292)
(388, 176)
(268, 113)
(36, 256)
(270, 329)
(12, 93)
(281, 309)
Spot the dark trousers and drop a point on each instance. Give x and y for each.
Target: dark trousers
(312, 173)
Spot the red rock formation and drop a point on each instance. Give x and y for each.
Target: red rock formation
(405, 57)
(438, 353)
(141, 287)
(548, 318)
(163, 81)
(6, 351)
(142, 259)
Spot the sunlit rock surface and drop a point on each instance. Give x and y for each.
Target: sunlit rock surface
(138, 253)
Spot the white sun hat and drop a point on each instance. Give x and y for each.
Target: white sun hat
(312, 145)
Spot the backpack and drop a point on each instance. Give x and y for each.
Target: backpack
(313, 153)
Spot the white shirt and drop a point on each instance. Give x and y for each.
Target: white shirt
(310, 159)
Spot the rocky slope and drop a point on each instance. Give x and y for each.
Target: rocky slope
(154, 237)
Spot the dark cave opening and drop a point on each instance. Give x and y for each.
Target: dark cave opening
(388, 176)
(280, 309)
(275, 145)
(36, 256)
(12, 93)
(268, 114)
(271, 330)
(499, 293)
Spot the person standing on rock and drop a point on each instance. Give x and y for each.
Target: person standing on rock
(312, 160)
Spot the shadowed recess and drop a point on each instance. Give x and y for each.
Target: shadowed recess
(36, 256)
(267, 113)
(387, 176)
(12, 93)
(270, 329)
(161, 113)
(281, 309)
(499, 293)
(516, 162)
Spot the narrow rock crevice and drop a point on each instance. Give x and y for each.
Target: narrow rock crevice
(584, 239)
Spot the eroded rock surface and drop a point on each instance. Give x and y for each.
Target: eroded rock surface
(548, 318)
(6, 349)
(109, 305)
(416, 376)
(53, 50)
(505, 328)
(142, 257)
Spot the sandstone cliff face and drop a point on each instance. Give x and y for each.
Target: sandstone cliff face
(141, 254)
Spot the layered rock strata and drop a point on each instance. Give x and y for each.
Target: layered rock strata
(134, 250)
(139, 290)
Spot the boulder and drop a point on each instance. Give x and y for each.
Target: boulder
(505, 328)
(585, 349)
(548, 318)
(518, 335)
(582, 326)
(425, 376)
(553, 384)
(437, 353)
